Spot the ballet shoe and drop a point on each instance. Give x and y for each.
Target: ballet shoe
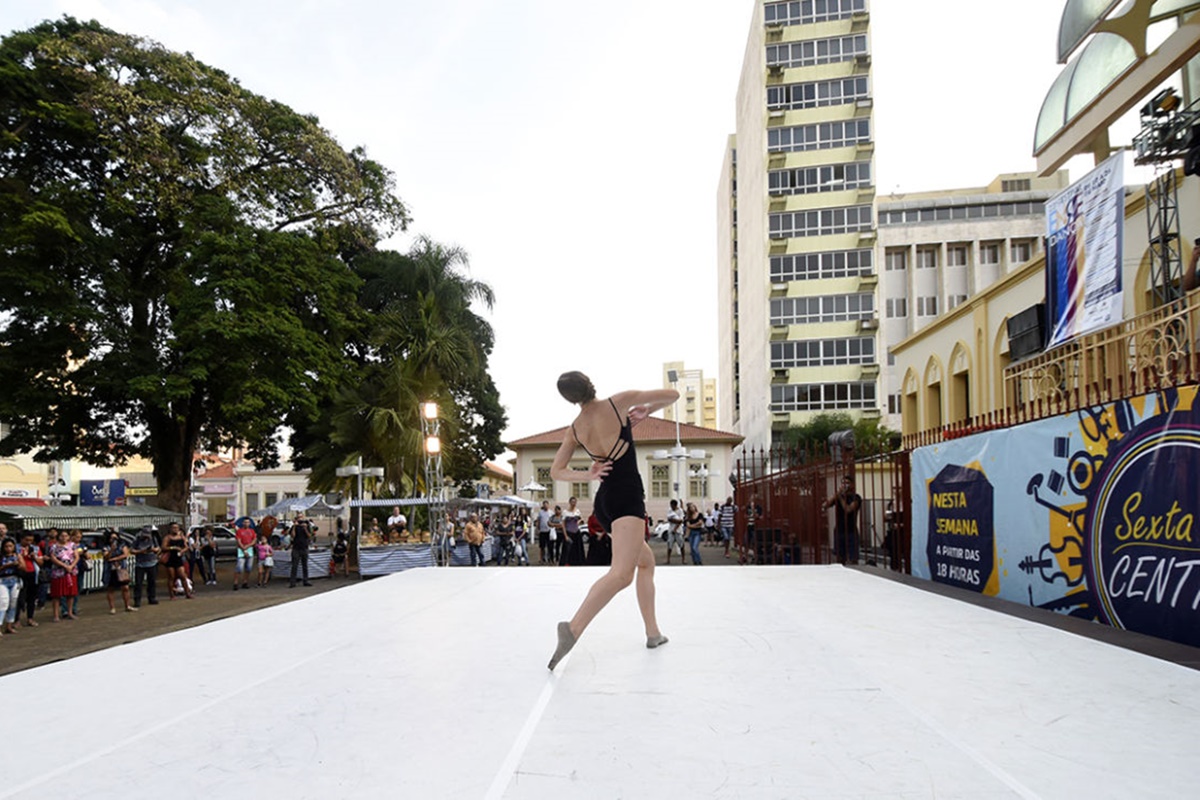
(566, 640)
(656, 641)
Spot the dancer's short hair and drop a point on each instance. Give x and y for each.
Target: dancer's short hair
(576, 387)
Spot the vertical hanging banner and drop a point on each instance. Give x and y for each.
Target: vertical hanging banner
(1091, 514)
(1084, 227)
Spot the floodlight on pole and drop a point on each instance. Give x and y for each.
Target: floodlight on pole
(429, 410)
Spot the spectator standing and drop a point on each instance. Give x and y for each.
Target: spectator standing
(175, 545)
(244, 565)
(543, 531)
(301, 536)
(573, 553)
(675, 531)
(695, 529)
(473, 532)
(556, 535)
(750, 543)
(196, 565)
(10, 583)
(116, 573)
(208, 555)
(29, 579)
(725, 521)
(64, 585)
(520, 538)
(145, 569)
(504, 532)
(397, 524)
(340, 549)
(845, 505)
(83, 565)
(266, 559)
(448, 540)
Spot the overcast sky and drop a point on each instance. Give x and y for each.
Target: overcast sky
(573, 149)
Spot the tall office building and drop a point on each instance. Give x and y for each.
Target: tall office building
(697, 402)
(796, 225)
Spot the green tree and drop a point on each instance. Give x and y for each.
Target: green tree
(172, 254)
(423, 341)
(870, 436)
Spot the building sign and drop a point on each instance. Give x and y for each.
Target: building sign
(102, 493)
(219, 488)
(1085, 225)
(141, 491)
(1091, 514)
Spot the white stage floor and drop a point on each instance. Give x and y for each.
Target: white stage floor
(778, 682)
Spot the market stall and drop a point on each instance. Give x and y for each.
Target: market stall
(376, 556)
(318, 563)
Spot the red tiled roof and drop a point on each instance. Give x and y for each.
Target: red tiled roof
(22, 501)
(651, 429)
(218, 472)
(497, 470)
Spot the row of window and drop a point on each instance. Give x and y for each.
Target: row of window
(957, 255)
(661, 484)
(897, 307)
(829, 178)
(823, 396)
(817, 94)
(816, 51)
(805, 12)
(823, 352)
(821, 136)
(822, 308)
(819, 266)
(268, 499)
(824, 222)
(976, 211)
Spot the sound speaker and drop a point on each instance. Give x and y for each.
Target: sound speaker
(1027, 332)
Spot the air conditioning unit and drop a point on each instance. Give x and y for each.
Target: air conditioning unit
(775, 69)
(776, 114)
(863, 60)
(779, 375)
(774, 26)
(868, 324)
(864, 102)
(778, 237)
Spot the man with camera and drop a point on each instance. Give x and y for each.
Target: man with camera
(845, 505)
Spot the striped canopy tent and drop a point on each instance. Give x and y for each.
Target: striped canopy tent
(86, 518)
(313, 505)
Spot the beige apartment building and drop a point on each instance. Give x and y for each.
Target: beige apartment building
(796, 223)
(697, 404)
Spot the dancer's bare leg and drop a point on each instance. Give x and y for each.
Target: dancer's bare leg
(627, 540)
(645, 590)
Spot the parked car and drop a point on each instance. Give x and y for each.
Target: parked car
(223, 536)
(98, 540)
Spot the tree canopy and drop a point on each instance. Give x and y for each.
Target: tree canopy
(870, 437)
(173, 254)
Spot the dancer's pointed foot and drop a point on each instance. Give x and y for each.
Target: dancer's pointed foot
(566, 640)
(656, 641)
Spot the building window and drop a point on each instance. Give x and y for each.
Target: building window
(270, 499)
(927, 258)
(1017, 185)
(810, 11)
(817, 94)
(816, 51)
(956, 255)
(1021, 250)
(822, 136)
(825, 308)
(818, 266)
(823, 352)
(956, 300)
(822, 396)
(989, 253)
(824, 222)
(979, 211)
(660, 481)
(581, 490)
(897, 307)
(896, 260)
(927, 306)
(541, 474)
(829, 178)
(252, 503)
(894, 403)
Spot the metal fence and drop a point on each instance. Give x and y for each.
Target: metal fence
(793, 487)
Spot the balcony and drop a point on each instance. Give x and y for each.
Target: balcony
(1147, 353)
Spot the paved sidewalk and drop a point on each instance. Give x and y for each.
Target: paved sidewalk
(96, 629)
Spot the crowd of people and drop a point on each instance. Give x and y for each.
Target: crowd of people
(44, 572)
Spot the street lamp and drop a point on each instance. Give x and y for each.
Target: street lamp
(679, 454)
(359, 471)
(432, 450)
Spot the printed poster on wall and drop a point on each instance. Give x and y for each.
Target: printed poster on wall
(1084, 228)
(1090, 514)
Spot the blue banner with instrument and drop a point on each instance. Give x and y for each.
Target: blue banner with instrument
(1090, 514)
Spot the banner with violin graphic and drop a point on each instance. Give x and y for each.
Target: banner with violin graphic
(1090, 514)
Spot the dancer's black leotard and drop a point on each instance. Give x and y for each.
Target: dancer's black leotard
(621, 493)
